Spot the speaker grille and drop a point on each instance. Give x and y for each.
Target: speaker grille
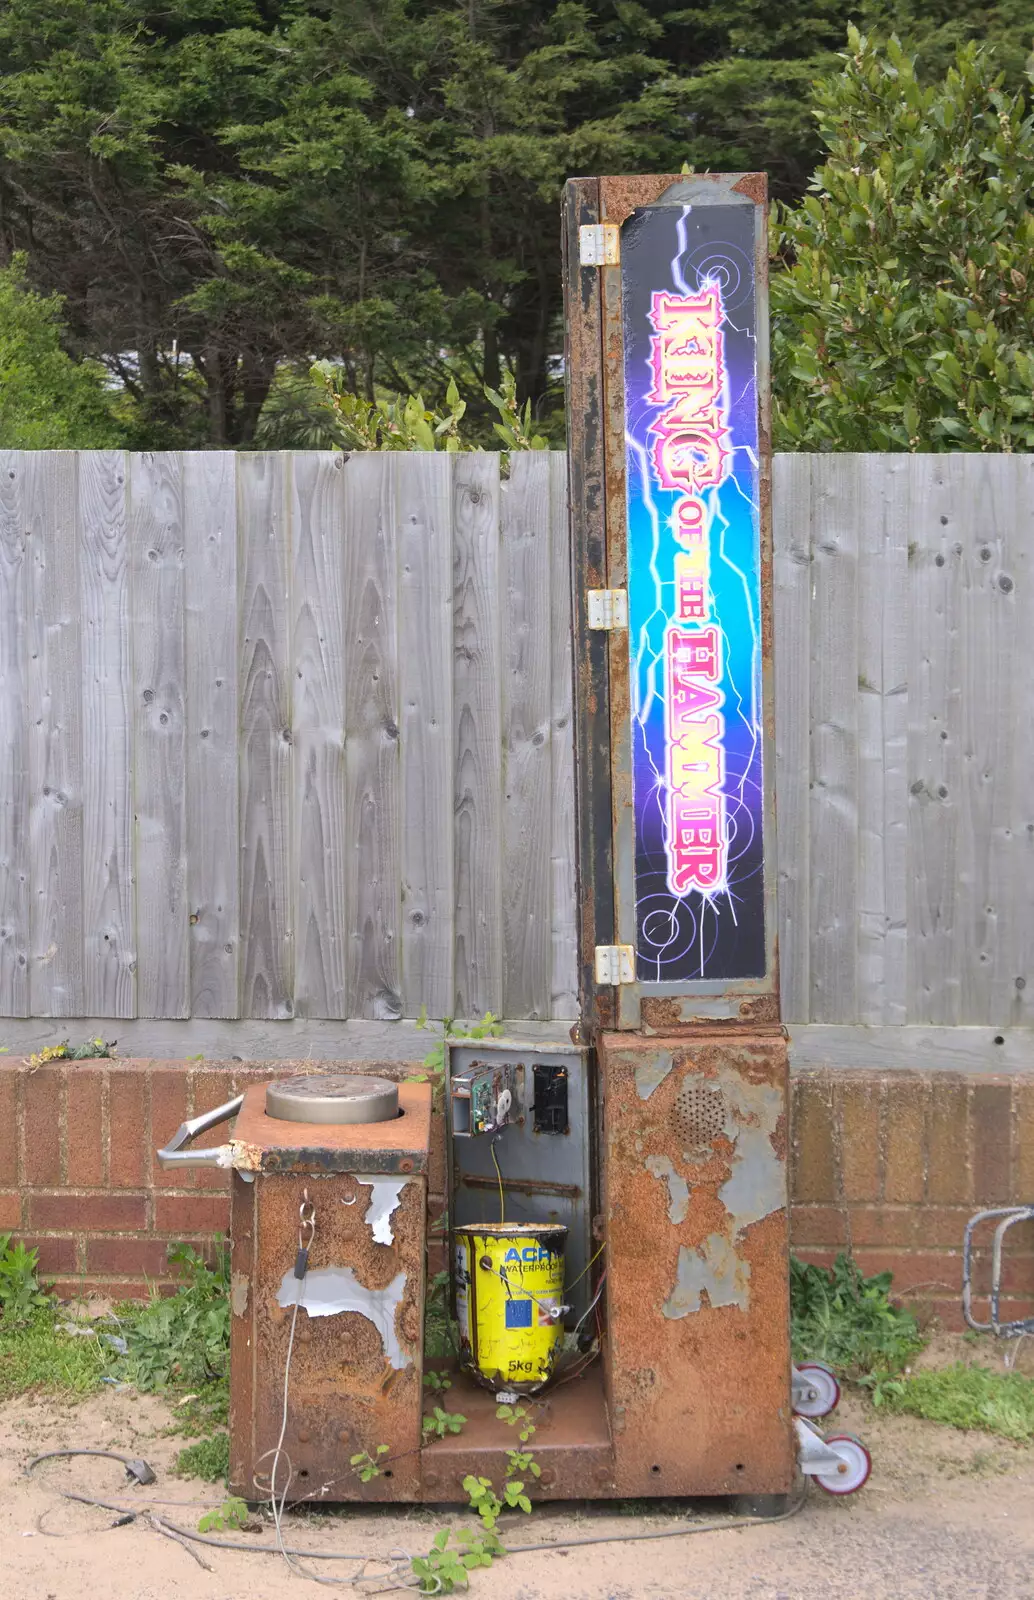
(698, 1115)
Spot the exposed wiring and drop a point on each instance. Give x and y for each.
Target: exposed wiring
(589, 1264)
(397, 1578)
(730, 1524)
(499, 1175)
(399, 1574)
(593, 1303)
(135, 1467)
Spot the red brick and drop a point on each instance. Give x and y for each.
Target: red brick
(948, 1315)
(882, 1225)
(816, 1258)
(211, 1087)
(818, 1225)
(79, 1288)
(168, 1109)
(89, 1213)
(180, 1214)
(85, 1090)
(55, 1255)
(128, 1257)
(904, 1177)
(950, 1175)
(813, 1167)
(128, 1137)
(9, 1083)
(42, 1094)
(991, 1112)
(943, 1227)
(937, 1272)
(10, 1209)
(1023, 1132)
(858, 1106)
(1017, 1274)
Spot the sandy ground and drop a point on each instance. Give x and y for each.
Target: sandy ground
(945, 1515)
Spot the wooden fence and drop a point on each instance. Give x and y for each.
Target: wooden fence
(905, 771)
(285, 735)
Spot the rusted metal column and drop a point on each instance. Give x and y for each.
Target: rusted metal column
(357, 1361)
(667, 372)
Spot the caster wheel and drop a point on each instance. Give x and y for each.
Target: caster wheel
(855, 1469)
(826, 1391)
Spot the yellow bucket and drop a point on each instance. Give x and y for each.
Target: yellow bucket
(509, 1293)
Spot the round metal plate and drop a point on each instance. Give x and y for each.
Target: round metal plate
(341, 1097)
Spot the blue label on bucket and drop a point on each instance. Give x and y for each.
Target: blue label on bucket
(518, 1313)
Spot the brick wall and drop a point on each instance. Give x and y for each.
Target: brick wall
(892, 1165)
(889, 1165)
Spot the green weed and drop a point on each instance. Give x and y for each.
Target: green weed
(440, 1422)
(365, 1466)
(89, 1050)
(446, 1566)
(970, 1397)
(20, 1292)
(232, 1514)
(208, 1459)
(441, 1333)
(489, 1027)
(183, 1339)
(840, 1316)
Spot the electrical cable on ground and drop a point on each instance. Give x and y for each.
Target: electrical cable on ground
(396, 1579)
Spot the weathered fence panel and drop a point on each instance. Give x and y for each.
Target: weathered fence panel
(905, 774)
(284, 735)
(290, 736)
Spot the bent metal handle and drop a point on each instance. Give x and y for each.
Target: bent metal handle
(176, 1155)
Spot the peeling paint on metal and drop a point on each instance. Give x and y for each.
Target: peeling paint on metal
(756, 1186)
(715, 1270)
(651, 1073)
(327, 1291)
(384, 1200)
(239, 1293)
(678, 1188)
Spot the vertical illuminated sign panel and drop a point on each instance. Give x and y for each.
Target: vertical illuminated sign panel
(694, 591)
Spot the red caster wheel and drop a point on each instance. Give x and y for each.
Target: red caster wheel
(816, 1391)
(856, 1465)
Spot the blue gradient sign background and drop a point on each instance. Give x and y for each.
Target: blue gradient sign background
(719, 934)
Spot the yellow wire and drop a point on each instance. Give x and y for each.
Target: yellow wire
(502, 1201)
(591, 1262)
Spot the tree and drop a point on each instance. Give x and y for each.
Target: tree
(47, 399)
(905, 320)
(223, 190)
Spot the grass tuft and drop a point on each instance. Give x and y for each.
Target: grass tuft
(208, 1459)
(37, 1358)
(969, 1397)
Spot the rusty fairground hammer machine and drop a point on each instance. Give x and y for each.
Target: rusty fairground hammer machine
(617, 1222)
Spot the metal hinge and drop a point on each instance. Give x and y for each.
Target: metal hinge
(599, 244)
(615, 963)
(608, 608)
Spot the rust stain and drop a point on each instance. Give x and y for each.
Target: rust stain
(340, 1403)
(663, 1014)
(620, 196)
(754, 185)
(721, 1354)
(267, 1144)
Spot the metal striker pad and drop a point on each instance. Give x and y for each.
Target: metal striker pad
(341, 1098)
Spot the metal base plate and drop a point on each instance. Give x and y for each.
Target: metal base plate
(337, 1098)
